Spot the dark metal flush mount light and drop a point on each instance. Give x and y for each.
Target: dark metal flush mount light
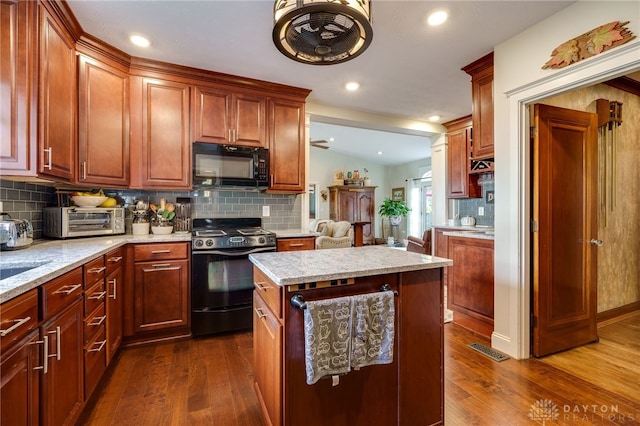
(322, 32)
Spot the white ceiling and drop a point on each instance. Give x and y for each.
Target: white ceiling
(410, 70)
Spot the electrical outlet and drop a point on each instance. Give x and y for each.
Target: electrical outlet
(480, 211)
(266, 211)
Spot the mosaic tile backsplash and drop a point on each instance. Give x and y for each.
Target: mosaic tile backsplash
(469, 206)
(26, 201)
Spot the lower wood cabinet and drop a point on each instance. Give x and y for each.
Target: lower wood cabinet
(115, 307)
(441, 249)
(296, 243)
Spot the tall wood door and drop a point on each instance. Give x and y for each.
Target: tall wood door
(103, 124)
(58, 100)
(565, 208)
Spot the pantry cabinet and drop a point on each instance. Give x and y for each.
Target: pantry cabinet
(460, 184)
(103, 123)
(57, 90)
(286, 146)
(354, 204)
(160, 144)
(222, 116)
(18, 87)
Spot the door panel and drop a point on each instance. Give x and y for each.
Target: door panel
(565, 209)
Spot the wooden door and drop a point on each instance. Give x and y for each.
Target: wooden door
(103, 124)
(347, 206)
(286, 146)
(58, 97)
(366, 214)
(565, 200)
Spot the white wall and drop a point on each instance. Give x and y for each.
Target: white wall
(518, 80)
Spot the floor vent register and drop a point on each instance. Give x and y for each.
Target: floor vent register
(491, 353)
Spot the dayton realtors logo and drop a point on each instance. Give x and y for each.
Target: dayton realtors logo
(546, 410)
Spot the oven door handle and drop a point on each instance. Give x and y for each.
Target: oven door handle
(234, 253)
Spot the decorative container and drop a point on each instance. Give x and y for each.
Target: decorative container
(162, 230)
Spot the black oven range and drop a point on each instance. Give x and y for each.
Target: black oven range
(221, 273)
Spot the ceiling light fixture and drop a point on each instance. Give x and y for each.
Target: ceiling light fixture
(322, 32)
(438, 17)
(434, 118)
(140, 41)
(352, 86)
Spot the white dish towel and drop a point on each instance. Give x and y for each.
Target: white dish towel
(348, 332)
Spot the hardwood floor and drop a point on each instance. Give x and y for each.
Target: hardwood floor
(209, 382)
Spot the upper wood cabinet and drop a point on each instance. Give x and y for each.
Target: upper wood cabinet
(286, 146)
(103, 124)
(18, 87)
(481, 72)
(160, 144)
(226, 117)
(57, 99)
(460, 184)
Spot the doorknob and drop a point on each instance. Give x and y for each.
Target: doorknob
(596, 242)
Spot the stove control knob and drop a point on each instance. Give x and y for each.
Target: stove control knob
(209, 243)
(199, 243)
(261, 240)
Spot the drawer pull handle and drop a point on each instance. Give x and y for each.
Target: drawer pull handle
(296, 245)
(96, 270)
(58, 354)
(99, 322)
(49, 157)
(97, 296)
(260, 313)
(260, 285)
(160, 251)
(45, 354)
(104, 342)
(69, 289)
(161, 267)
(114, 259)
(17, 324)
(115, 289)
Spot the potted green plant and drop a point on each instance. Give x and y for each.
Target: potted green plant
(394, 210)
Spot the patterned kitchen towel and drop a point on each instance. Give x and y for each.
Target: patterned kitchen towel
(327, 333)
(373, 329)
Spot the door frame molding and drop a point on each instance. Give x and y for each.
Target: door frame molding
(513, 249)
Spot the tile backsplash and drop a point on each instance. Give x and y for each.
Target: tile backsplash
(24, 200)
(469, 206)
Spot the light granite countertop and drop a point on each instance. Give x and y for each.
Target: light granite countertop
(479, 234)
(296, 267)
(52, 258)
(293, 233)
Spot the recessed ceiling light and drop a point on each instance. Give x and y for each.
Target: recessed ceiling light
(140, 41)
(352, 85)
(438, 17)
(379, 152)
(331, 139)
(434, 118)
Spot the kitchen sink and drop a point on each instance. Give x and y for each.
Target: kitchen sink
(11, 269)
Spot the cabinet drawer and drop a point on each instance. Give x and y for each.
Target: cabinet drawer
(94, 271)
(94, 297)
(270, 292)
(160, 251)
(95, 362)
(60, 292)
(292, 244)
(94, 323)
(114, 260)
(18, 317)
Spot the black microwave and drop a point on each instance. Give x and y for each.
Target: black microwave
(229, 165)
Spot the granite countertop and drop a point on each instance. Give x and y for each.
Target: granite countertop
(296, 267)
(293, 233)
(478, 234)
(52, 258)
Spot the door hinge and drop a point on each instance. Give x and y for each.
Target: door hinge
(533, 132)
(534, 226)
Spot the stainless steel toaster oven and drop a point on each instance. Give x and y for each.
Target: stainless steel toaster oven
(70, 222)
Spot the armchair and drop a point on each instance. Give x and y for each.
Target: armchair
(334, 235)
(418, 245)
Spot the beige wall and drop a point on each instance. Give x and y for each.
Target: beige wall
(619, 228)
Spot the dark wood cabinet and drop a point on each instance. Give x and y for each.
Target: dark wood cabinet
(296, 243)
(286, 146)
(18, 87)
(441, 249)
(460, 184)
(481, 72)
(220, 115)
(470, 283)
(103, 123)
(160, 143)
(354, 204)
(57, 140)
(95, 318)
(115, 307)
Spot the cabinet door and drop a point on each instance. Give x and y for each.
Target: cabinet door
(103, 124)
(286, 145)
(161, 147)
(482, 93)
(161, 295)
(347, 206)
(19, 383)
(63, 385)
(267, 360)
(366, 205)
(211, 121)
(115, 310)
(18, 83)
(458, 158)
(442, 250)
(58, 94)
(249, 120)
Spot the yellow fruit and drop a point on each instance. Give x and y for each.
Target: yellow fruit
(109, 202)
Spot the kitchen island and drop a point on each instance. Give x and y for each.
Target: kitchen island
(407, 391)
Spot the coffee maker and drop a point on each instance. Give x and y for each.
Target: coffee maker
(182, 221)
